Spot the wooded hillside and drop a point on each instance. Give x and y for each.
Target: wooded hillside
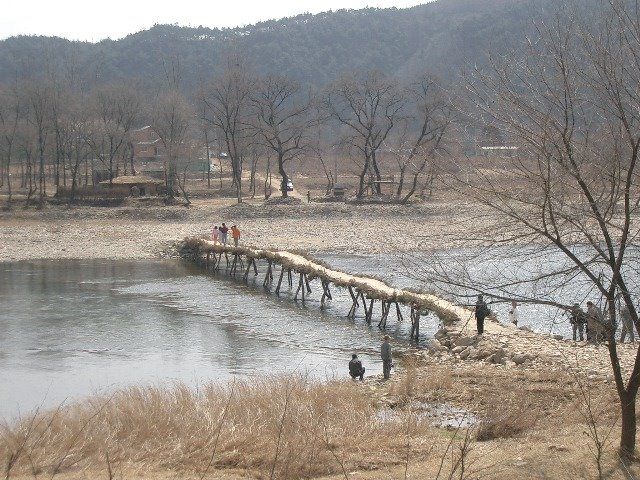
(440, 37)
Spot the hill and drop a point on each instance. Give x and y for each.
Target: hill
(439, 37)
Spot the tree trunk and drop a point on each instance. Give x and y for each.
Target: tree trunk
(363, 173)
(285, 178)
(628, 433)
(376, 171)
(401, 181)
(413, 189)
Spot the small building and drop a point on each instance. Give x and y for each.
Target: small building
(340, 190)
(134, 186)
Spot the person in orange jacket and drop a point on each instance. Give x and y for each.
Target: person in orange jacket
(235, 233)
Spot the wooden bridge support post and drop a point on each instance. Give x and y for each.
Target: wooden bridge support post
(354, 305)
(415, 323)
(364, 302)
(268, 279)
(301, 287)
(369, 311)
(280, 281)
(250, 261)
(234, 264)
(386, 306)
(399, 313)
(326, 293)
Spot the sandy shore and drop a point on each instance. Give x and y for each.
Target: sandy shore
(135, 233)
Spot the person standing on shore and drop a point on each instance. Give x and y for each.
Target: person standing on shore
(356, 370)
(235, 233)
(385, 353)
(482, 312)
(223, 234)
(215, 234)
(595, 323)
(577, 319)
(627, 324)
(513, 313)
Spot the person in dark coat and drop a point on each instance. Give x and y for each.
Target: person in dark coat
(578, 319)
(385, 353)
(356, 370)
(482, 312)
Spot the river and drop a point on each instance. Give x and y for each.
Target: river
(72, 328)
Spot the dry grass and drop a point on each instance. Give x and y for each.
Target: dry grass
(509, 419)
(276, 428)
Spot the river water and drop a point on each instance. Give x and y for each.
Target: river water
(72, 328)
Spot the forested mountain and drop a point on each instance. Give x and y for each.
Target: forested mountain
(439, 37)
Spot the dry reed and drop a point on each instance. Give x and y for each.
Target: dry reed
(325, 428)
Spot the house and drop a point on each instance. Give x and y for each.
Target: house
(134, 186)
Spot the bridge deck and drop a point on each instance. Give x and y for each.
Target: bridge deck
(303, 264)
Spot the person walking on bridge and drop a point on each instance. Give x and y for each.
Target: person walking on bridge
(215, 234)
(223, 234)
(482, 312)
(235, 233)
(356, 370)
(385, 353)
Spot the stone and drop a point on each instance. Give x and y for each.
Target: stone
(435, 346)
(520, 358)
(481, 354)
(441, 334)
(524, 328)
(465, 353)
(558, 337)
(465, 341)
(497, 357)
(458, 349)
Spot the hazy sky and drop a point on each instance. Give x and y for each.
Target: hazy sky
(94, 20)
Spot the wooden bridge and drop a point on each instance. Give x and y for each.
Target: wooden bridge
(299, 269)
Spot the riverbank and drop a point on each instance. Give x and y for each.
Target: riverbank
(132, 232)
(535, 398)
(526, 423)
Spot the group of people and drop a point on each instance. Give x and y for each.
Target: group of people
(592, 322)
(356, 370)
(221, 234)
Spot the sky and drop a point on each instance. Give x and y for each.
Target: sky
(93, 20)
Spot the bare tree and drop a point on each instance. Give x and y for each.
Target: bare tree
(369, 107)
(571, 103)
(38, 98)
(227, 100)
(116, 109)
(172, 119)
(420, 134)
(10, 117)
(281, 118)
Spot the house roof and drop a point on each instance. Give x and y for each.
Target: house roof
(133, 180)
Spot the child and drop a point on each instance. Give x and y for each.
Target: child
(215, 234)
